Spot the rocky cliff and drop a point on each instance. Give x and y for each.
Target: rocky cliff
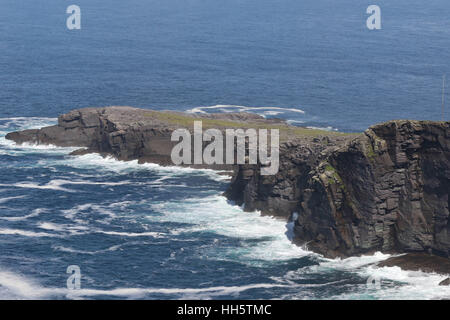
(384, 190)
(130, 133)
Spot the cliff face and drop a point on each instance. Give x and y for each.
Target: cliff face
(124, 132)
(127, 133)
(386, 190)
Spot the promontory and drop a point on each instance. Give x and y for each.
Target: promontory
(386, 189)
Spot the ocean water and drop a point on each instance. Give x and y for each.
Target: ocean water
(148, 232)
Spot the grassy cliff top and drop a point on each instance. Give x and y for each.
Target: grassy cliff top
(236, 121)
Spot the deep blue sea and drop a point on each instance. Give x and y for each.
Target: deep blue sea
(148, 232)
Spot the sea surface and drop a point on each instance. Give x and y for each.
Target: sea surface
(151, 232)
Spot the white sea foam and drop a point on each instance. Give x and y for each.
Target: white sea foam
(244, 109)
(3, 200)
(272, 113)
(51, 185)
(24, 123)
(67, 228)
(56, 184)
(11, 148)
(72, 250)
(131, 234)
(77, 229)
(14, 286)
(394, 282)
(294, 122)
(110, 164)
(17, 286)
(34, 213)
(322, 128)
(215, 214)
(24, 233)
(400, 284)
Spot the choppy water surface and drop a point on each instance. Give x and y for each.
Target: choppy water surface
(144, 231)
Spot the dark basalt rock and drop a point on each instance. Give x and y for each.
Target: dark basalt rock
(445, 282)
(419, 262)
(386, 190)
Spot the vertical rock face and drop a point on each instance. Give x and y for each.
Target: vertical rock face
(128, 133)
(124, 132)
(386, 190)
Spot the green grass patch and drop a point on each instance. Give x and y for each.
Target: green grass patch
(286, 131)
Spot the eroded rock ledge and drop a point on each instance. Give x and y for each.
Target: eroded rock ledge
(384, 190)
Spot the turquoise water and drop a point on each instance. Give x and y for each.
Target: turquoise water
(143, 231)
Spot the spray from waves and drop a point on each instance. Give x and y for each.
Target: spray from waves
(290, 226)
(215, 214)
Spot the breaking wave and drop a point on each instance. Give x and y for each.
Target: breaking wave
(105, 209)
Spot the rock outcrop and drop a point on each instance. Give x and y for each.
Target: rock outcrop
(386, 190)
(128, 133)
(419, 262)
